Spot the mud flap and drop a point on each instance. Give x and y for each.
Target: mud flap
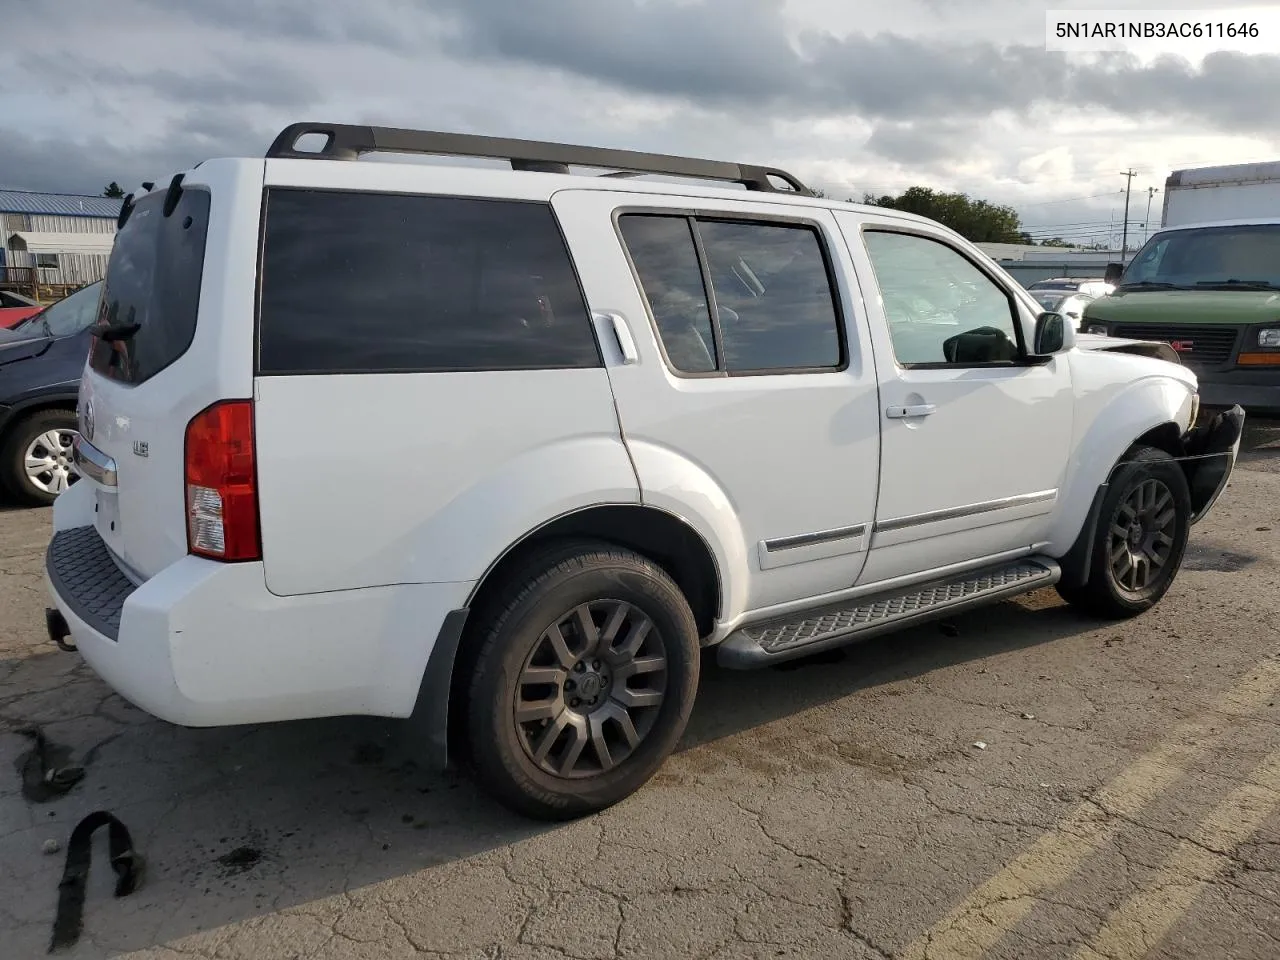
(1075, 562)
(428, 729)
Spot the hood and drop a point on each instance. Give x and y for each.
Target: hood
(1142, 348)
(23, 344)
(1187, 306)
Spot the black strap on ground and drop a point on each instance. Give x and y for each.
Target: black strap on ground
(44, 776)
(125, 862)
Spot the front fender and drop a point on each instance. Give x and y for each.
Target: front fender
(1105, 429)
(676, 484)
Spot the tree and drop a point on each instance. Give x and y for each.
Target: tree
(1056, 242)
(975, 220)
(114, 191)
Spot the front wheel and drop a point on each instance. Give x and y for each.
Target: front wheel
(1140, 540)
(584, 681)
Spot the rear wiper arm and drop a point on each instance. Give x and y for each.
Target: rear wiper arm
(122, 332)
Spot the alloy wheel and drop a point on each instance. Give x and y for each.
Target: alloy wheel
(590, 689)
(1140, 541)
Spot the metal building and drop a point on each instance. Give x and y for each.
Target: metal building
(54, 242)
(1029, 263)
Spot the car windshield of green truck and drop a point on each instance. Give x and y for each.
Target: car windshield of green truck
(1243, 257)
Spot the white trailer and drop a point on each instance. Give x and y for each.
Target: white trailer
(1234, 192)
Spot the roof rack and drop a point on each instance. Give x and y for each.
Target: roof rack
(348, 142)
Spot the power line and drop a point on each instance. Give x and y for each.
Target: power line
(1045, 203)
(1050, 225)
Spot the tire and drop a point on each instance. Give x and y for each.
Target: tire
(1134, 526)
(649, 681)
(25, 437)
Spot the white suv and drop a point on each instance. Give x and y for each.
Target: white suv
(502, 449)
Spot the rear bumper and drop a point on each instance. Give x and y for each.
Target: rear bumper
(206, 644)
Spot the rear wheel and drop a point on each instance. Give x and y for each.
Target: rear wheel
(584, 681)
(1141, 537)
(35, 458)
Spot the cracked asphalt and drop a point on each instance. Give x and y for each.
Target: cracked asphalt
(1126, 802)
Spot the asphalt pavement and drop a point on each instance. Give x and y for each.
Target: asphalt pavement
(1018, 782)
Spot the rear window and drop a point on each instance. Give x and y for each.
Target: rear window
(385, 283)
(147, 314)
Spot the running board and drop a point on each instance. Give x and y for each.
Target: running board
(822, 628)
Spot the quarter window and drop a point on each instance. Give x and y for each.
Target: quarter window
(383, 283)
(736, 296)
(941, 309)
(666, 260)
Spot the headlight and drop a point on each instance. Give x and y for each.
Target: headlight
(1096, 328)
(1269, 337)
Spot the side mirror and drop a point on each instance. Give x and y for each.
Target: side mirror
(1051, 334)
(1114, 272)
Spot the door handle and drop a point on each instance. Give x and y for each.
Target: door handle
(918, 410)
(622, 334)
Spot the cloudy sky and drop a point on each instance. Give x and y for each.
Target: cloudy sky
(852, 95)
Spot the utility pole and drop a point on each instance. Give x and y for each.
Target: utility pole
(1124, 236)
(1146, 227)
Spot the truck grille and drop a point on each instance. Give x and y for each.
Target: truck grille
(1196, 346)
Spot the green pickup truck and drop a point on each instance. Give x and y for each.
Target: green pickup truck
(1212, 292)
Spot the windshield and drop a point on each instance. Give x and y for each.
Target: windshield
(1049, 299)
(1244, 257)
(69, 315)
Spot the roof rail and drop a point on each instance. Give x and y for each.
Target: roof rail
(348, 142)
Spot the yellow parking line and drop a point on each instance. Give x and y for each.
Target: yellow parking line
(969, 930)
(1144, 919)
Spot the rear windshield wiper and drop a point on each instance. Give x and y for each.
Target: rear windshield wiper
(123, 332)
(1234, 284)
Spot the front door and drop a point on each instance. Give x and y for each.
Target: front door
(974, 439)
(741, 366)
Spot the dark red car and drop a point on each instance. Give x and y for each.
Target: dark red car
(14, 308)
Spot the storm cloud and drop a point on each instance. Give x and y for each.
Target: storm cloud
(919, 88)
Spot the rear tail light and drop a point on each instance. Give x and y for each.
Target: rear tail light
(222, 483)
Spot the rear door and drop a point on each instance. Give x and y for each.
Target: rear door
(753, 371)
(174, 334)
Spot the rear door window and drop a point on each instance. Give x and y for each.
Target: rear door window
(383, 283)
(775, 305)
(147, 314)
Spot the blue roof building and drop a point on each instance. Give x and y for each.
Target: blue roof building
(54, 239)
(58, 204)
